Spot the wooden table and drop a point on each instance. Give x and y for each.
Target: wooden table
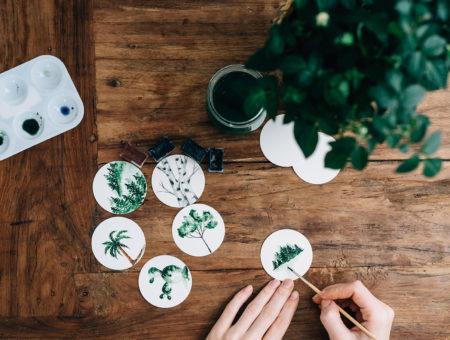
(142, 68)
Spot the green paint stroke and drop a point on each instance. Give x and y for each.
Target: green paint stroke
(31, 126)
(136, 189)
(114, 244)
(194, 226)
(285, 254)
(171, 274)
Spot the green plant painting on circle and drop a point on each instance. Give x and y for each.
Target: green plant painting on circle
(285, 254)
(130, 190)
(171, 275)
(115, 245)
(356, 70)
(195, 226)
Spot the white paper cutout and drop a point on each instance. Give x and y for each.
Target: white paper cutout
(272, 245)
(119, 187)
(118, 243)
(165, 281)
(198, 230)
(178, 181)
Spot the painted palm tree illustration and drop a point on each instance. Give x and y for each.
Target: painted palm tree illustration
(195, 226)
(115, 245)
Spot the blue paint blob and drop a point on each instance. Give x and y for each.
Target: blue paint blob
(65, 110)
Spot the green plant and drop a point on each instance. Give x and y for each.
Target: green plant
(356, 69)
(194, 226)
(285, 254)
(115, 246)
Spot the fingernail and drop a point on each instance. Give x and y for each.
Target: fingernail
(274, 283)
(315, 297)
(248, 289)
(325, 303)
(294, 295)
(288, 283)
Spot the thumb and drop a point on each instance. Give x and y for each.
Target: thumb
(332, 321)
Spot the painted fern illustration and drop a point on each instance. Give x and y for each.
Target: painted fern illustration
(136, 189)
(285, 254)
(115, 245)
(171, 274)
(179, 179)
(195, 226)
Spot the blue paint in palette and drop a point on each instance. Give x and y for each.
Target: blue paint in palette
(65, 110)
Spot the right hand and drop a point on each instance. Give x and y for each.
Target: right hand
(373, 314)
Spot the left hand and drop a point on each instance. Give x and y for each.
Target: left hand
(267, 317)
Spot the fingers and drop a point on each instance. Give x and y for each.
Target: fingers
(281, 324)
(355, 291)
(255, 307)
(271, 310)
(332, 321)
(230, 311)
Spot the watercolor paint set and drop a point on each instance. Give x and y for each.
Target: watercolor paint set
(38, 101)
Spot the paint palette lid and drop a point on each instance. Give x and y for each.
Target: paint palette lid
(119, 187)
(198, 230)
(178, 181)
(165, 281)
(283, 248)
(38, 101)
(118, 243)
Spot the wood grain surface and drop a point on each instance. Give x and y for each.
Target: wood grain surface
(142, 68)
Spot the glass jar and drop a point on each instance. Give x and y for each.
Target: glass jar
(224, 110)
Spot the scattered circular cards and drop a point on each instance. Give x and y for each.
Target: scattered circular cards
(119, 187)
(198, 230)
(283, 248)
(118, 243)
(165, 281)
(280, 147)
(178, 181)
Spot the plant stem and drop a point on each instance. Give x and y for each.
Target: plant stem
(126, 255)
(206, 244)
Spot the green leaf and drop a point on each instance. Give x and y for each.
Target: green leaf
(432, 167)
(261, 62)
(403, 7)
(306, 136)
(404, 148)
(395, 79)
(442, 10)
(371, 144)
(275, 43)
(435, 74)
(292, 64)
(416, 64)
(349, 4)
(340, 151)
(384, 97)
(291, 94)
(412, 96)
(326, 4)
(392, 140)
(359, 157)
(422, 123)
(434, 45)
(254, 102)
(432, 143)
(409, 165)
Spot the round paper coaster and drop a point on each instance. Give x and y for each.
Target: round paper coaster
(312, 169)
(198, 230)
(283, 248)
(165, 281)
(119, 187)
(118, 243)
(178, 181)
(278, 143)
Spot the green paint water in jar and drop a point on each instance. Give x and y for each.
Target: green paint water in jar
(31, 126)
(226, 96)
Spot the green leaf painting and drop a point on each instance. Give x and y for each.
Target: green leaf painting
(114, 246)
(171, 274)
(130, 190)
(285, 254)
(195, 226)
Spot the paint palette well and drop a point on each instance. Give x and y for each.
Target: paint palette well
(198, 230)
(38, 101)
(178, 181)
(119, 187)
(283, 248)
(118, 243)
(165, 281)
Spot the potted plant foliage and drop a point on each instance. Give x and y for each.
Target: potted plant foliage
(356, 69)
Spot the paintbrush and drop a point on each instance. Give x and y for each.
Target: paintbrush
(343, 312)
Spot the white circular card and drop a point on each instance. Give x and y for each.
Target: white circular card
(198, 230)
(286, 248)
(118, 243)
(165, 281)
(178, 181)
(119, 187)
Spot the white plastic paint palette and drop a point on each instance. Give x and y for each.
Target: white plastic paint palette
(118, 243)
(198, 230)
(286, 248)
(178, 181)
(38, 101)
(165, 281)
(280, 147)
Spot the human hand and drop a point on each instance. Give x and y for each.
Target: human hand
(266, 317)
(373, 314)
